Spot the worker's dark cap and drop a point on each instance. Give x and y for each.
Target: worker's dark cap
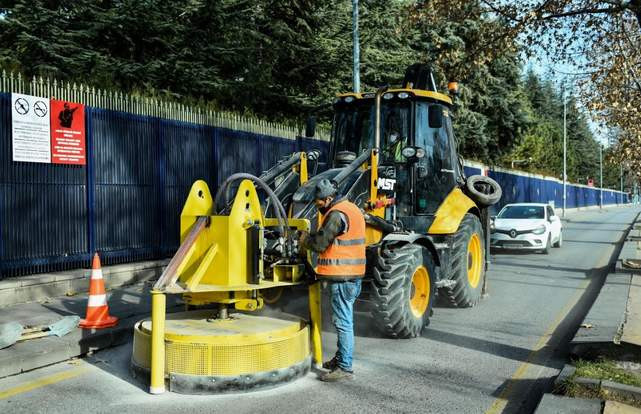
(324, 189)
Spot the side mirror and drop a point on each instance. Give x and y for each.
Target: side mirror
(310, 127)
(554, 219)
(435, 116)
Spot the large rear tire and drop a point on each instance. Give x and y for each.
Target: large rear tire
(468, 263)
(403, 287)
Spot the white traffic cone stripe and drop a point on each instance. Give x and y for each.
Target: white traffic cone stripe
(96, 274)
(97, 300)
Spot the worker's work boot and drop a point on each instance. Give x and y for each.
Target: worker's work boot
(331, 365)
(337, 375)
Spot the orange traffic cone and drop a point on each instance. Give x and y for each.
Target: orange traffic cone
(97, 308)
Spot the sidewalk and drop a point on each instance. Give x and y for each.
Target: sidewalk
(615, 317)
(130, 304)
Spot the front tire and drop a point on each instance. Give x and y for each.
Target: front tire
(559, 242)
(468, 263)
(546, 250)
(403, 287)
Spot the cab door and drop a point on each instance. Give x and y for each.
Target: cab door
(435, 174)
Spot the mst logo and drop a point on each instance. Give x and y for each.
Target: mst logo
(386, 183)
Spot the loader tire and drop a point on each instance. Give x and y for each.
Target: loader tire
(403, 287)
(468, 263)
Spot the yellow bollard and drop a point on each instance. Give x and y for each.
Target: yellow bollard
(315, 313)
(157, 383)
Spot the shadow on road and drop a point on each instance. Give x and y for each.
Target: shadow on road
(495, 348)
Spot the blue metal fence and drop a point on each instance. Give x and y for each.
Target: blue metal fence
(523, 188)
(126, 202)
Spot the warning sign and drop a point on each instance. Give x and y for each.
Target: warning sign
(67, 133)
(30, 128)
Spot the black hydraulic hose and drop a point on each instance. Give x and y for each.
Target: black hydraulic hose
(279, 210)
(280, 168)
(353, 166)
(380, 223)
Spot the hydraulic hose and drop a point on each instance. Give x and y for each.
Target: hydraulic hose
(279, 210)
(380, 223)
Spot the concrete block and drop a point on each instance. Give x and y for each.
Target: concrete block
(614, 407)
(38, 279)
(567, 371)
(554, 404)
(623, 390)
(36, 288)
(590, 383)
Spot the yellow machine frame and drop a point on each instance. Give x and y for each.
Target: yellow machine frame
(212, 264)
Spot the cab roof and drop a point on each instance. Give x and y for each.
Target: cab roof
(419, 93)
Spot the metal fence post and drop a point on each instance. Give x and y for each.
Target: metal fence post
(91, 179)
(160, 181)
(259, 153)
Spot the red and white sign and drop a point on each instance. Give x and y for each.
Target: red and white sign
(67, 133)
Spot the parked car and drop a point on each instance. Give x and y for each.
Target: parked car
(532, 226)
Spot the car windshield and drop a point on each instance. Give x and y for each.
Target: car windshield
(354, 128)
(522, 212)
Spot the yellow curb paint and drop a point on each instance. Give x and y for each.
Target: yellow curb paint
(42, 382)
(501, 401)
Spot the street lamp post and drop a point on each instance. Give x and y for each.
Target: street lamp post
(356, 64)
(621, 175)
(565, 150)
(601, 175)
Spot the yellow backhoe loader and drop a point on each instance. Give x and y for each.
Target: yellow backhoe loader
(393, 154)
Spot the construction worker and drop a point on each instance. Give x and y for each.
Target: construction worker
(340, 243)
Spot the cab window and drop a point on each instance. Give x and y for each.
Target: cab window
(395, 131)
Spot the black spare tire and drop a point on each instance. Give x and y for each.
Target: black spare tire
(483, 190)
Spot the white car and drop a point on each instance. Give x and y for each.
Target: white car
(532, 226)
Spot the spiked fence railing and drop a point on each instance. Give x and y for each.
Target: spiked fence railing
(118, 101)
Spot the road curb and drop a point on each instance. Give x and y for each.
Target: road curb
(37, 288)
(555, 404)
(622, 390)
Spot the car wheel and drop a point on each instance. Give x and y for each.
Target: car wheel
(559, 242)
(546, 250)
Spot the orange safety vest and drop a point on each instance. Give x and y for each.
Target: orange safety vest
(345, 257)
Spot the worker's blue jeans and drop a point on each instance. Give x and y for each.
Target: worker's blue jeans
(343, 296)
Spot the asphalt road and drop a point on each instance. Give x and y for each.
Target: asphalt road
(497, 357)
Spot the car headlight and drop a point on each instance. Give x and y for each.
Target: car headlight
(539, 230)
